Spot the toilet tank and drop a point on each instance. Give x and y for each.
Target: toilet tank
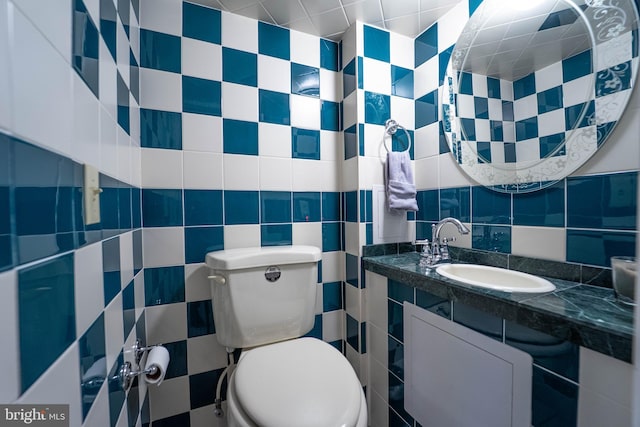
(263, 295)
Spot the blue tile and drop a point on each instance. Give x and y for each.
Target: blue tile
(160, 51)
(198, 241)
(478, 320)
(510, 152)
(559, 18)
(614, 79)
(239, 67)
(483, 150)
(108, 25)
(109, 206)
(202, 392)
(93, 365)
(443, 141)
(349, 82)
(361, 139)
(368, 194)
(239, 137)
(275, 207)
(86, 46)
(128, 308)
(377, 108)
(465, 84)
(395, 323)
(363, 338)
(316, 331)
(329, 55)
(273, 41)
(544, 207)
(524, 87)
(46, 315)
(350, 143)
(490, 207)
(455, 202)
(554, 400)
(200, 318)
(428, 205)
(201, 96)
(577, 66)
(376, 44)
(178, 356)
(136, 207)
(602, 201)
(161, 208)
(579, 115)
(163, 285)
(351, 206)
(201, 23)
(401, 82)
(332, 296)
(124, 207)
(124, 7)
(433, 303)
(399, 142)
(134, 77)
(507, 111)
(112, 281)
(552, 145)
(331, 237)
(550, 100)
(527, 129)
(351, 269)
(399, 292)
(184, 419)
(603, 130)
(123, 103)
(396, 357)
(305, 80)
(276, 235)
(352, 332)
(7, 233)
(274, 107)
(481, 107)
(473, 5)
(116, 394)
(305, 144)
(330, 116)
(306, 207)
(360, 72)
(595, 247)
(331, 206)
(496, 130)
(133, 401)
(137, 251)
(426, 45)
(491, 238)
(443, 62)
(493, 87)
(202, 207)
(241, 207)
(160, 129)
(427, 109)
(394, 419)
(363, 206)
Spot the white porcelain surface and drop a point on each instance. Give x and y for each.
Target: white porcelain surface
(495, 278)
(246, 258)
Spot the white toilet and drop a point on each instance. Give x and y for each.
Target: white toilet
(263, 302)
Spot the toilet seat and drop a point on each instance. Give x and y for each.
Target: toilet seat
(303, 383)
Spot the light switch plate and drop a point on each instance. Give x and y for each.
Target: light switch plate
(91, 195)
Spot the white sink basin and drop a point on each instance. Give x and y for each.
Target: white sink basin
(499, 279)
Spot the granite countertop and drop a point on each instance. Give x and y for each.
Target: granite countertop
(583, 314)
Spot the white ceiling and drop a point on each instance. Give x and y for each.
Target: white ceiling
(331, 18)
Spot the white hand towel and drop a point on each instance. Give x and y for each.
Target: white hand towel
(401, 189)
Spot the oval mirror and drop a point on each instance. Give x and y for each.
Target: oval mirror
(534, 88)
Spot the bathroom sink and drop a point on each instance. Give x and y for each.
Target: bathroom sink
(496, 278)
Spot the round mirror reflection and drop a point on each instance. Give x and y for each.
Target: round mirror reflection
(533, 89)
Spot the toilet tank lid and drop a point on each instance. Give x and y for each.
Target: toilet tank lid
(234, 259)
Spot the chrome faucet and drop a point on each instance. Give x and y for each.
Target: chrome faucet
(436, 251)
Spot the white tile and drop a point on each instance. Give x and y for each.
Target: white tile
(160, 90)
(402, 51)
(171, 398)
(615, 51)
(526, 107)
(539, 242)
(201, 133)
(124, 156)
(98, 415)
(549, 77)
(350, 110)
(305, 49)
(197, 285)
(205, 354)
(330, 85)
(480, 85)
(138, 290)
(126, 258)
(239, 102)
(241, 172)
(60, 384)
(122, 53)
(330, 146)
(274, 74)
(202, 170)
(451, 25)
(161, 168)
(108, 143)
(609, 377)
(9, 357)
(275, 174)
(427, 173)
(136, 173)
(53, 20)
(332, 266)
(551, 123)
(330, 173)
(449, 173)
(241, 236)
(239, 32)
(483, 130)
(426, 78)
(305, 112)
(353, 302)
(349, 45)
(166, 323)
(163, 246)
(93, 6)
(274, 140)
(134, 121)
(5, 80)
(86, 124)
(113, 330)
(577, 91)
(506, 90)
(333, 325)
(378, 344)
(307, 233)
(354, 359)
(319, 299)
(595, 410)
(403, 110)
(377, 300)
(107, 82)
(378, 407)
(45, 98)
(426, 141)
(377, 76)
(164, 16)
(349, 174)
(495, 109)
(371, 171)
(305, 175)
(89, 291)
(201, 59)
(351, 237)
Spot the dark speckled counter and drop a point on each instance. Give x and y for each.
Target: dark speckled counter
(583, 314)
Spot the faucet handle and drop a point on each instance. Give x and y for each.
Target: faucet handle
(421, 242)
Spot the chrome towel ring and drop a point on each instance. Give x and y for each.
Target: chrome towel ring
(390, 128)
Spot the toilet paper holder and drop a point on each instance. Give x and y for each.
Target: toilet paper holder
(126, 374)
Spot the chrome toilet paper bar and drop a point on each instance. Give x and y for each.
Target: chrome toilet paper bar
(153, 373)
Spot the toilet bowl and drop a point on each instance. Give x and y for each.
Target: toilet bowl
(304, 382)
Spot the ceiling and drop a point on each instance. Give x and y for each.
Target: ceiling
(331, 18)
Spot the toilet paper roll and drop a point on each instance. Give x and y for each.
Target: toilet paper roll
(157, 358)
